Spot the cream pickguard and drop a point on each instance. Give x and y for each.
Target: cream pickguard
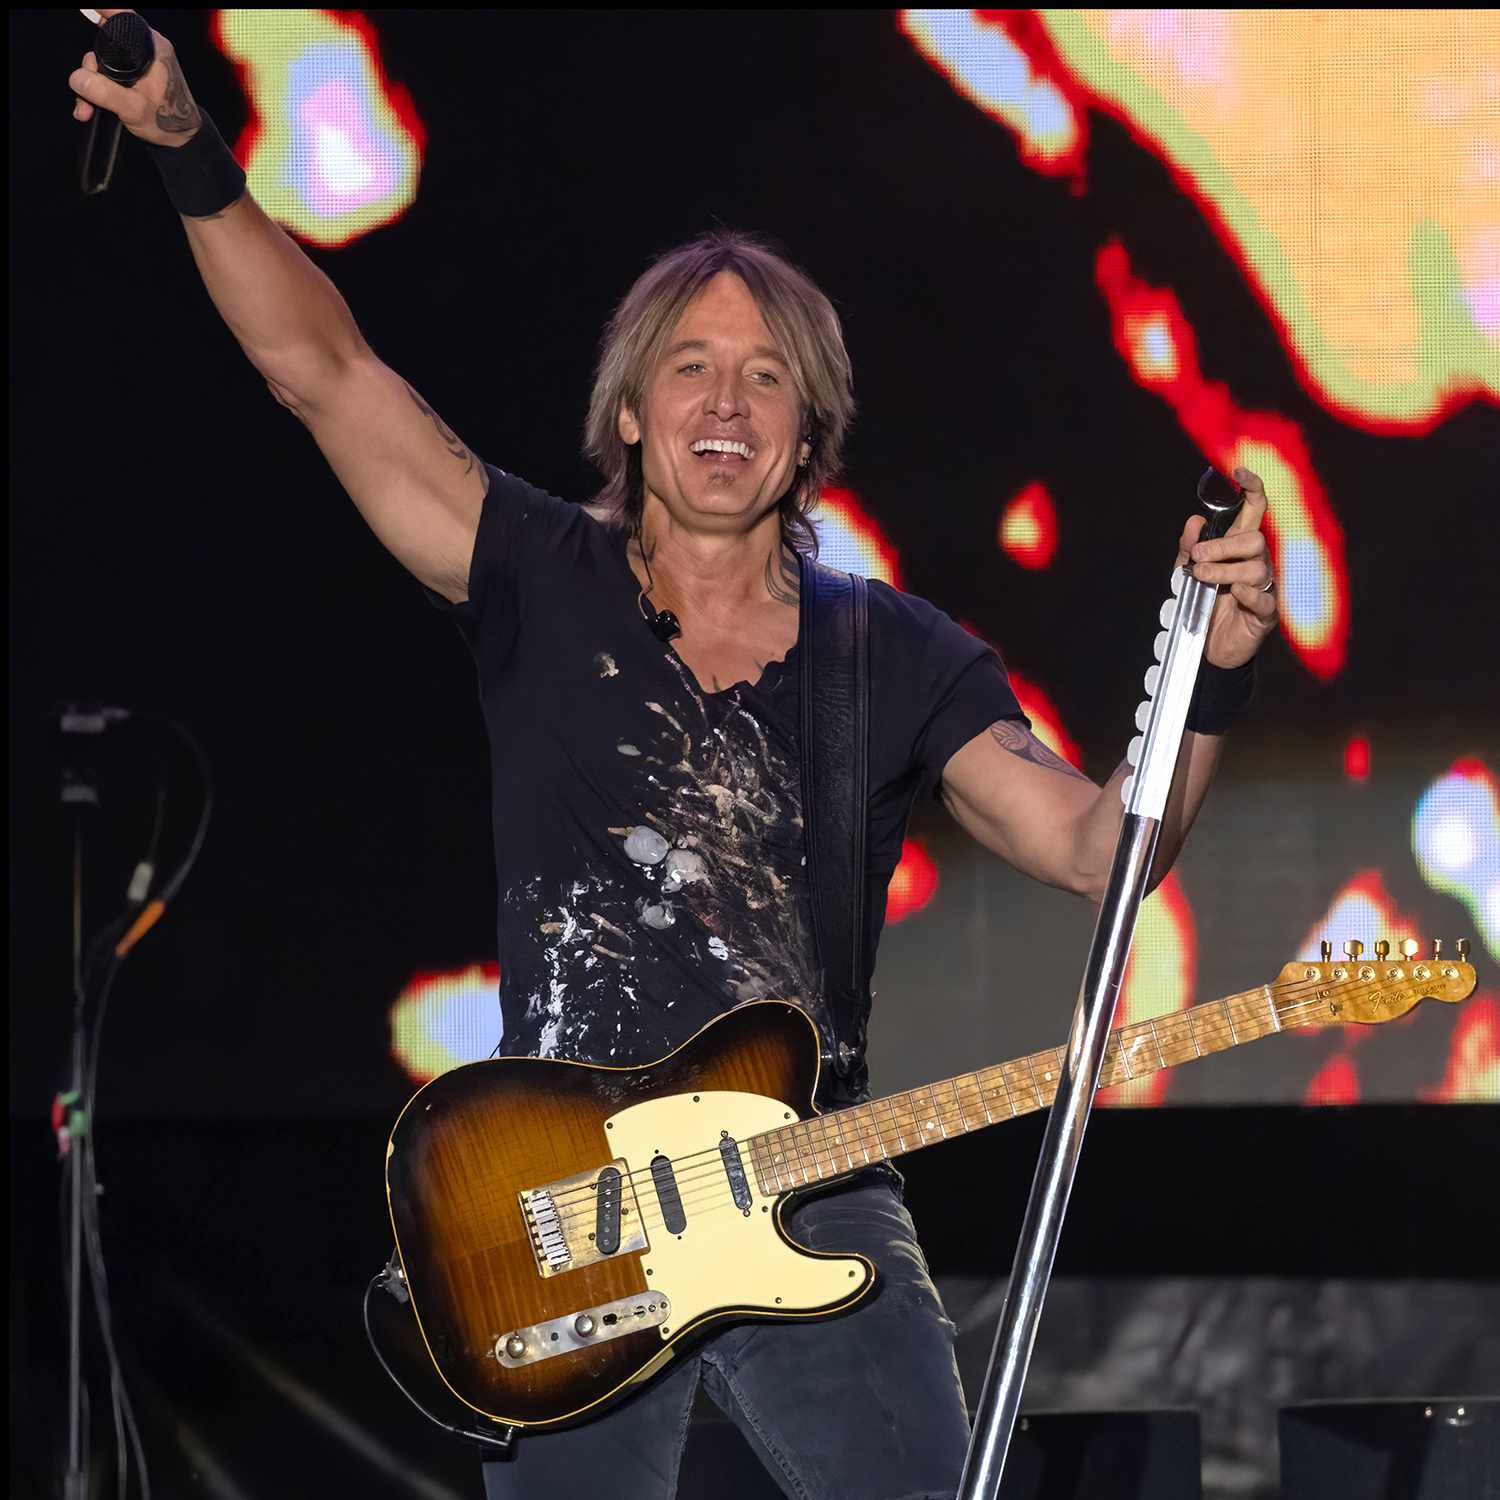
(727, 1259)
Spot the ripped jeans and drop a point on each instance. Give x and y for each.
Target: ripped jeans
(865, 1405)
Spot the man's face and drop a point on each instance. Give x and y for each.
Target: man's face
(720, 434)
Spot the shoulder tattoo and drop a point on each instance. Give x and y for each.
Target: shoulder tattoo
(1017, 739)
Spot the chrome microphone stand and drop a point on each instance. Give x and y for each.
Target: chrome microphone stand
(1162, 718)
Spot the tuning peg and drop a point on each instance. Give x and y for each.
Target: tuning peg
(1437, 948)
(1409, 947)
(1382, 950)
(1354, 948)
(1463, 950)
(1325, 951)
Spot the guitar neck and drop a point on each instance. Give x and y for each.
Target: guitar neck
(834, 1144)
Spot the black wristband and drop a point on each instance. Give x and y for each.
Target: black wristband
(1221, 696)
(202, 178)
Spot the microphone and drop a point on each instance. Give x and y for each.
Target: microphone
(124, 50)
(662, 622)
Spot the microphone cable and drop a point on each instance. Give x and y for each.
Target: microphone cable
(110, 945)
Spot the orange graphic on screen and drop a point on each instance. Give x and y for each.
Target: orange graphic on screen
(914, 882)
(334, 148)
(1028, 527)
(1349, 162)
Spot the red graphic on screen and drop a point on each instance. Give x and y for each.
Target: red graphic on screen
(1028, 527)
(1357, 758)
(1473, 1070)
(1305, 538)
(913, 883)
(1336, 1082)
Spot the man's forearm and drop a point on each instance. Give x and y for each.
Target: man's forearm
(288, 317)
(1099, 828)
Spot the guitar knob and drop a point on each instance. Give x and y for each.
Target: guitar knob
(1133, 750)
(1143, 715)
(1382, 950)
(1153, 676)
(583, 1325)
(1409, 947)
(1463, 950)
(1437, 948)
(515, 1346)
(1354, 948)
(1168, 610)
(1178, 579)
(1325, 951)
(1159, 645)
(1127, 787)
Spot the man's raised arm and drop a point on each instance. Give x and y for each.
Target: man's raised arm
(419, 488)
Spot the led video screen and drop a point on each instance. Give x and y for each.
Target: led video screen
(1079, 256)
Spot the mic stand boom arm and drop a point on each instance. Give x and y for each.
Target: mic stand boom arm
(1153, 755)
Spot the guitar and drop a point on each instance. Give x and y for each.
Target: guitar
(565, 1229)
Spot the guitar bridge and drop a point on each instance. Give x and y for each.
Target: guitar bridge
(570, 1225)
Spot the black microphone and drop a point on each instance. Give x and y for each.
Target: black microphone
(124, 50)
(663, 622)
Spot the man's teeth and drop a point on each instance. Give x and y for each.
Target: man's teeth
(718, 445)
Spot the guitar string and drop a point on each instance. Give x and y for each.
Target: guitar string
(857, 1141)
(720, 1196)
(826, 1124)
(712, 1160)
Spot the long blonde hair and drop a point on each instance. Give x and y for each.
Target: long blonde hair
(801, 321)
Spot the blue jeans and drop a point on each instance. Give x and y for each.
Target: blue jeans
(865, 1405)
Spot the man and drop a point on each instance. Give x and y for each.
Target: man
(637, 662)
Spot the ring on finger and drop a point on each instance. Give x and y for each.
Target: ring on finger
(1268, 585)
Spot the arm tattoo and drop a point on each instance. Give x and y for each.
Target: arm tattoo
(455, 447)
(1019, 740)
(178, 115)
(787, 587)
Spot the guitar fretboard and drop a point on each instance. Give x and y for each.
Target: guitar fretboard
(842, 1141)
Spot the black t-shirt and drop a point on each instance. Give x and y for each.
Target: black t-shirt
(648, 835)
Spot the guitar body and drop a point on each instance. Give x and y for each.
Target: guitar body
(499, 1274)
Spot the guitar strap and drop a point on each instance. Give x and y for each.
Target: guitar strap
(834, 728)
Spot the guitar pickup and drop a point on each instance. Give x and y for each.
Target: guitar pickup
(579, 1221)
(734, 1170)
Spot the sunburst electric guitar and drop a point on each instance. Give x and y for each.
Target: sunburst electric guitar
(565, 1229)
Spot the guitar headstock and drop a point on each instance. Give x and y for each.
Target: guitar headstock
(1369, 988)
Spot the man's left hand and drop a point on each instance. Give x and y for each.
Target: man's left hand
(1245, 612)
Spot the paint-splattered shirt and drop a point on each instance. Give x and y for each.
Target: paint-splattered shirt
(648, 835)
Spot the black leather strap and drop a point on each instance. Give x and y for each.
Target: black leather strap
(834, 714)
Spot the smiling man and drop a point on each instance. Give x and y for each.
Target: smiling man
(638, 667)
